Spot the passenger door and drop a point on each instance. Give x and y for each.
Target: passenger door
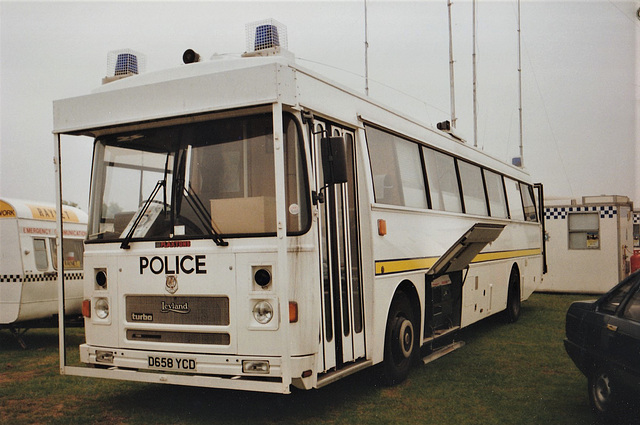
(342, 303)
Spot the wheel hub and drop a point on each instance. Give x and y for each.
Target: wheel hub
(603, 390)
(406, 338)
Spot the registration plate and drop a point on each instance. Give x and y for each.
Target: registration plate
(171, 363)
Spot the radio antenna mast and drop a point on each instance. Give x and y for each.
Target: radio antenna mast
(475, 82)
(520, 88)
(451, 77)
(366, 52)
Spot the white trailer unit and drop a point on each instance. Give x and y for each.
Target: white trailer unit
(589, 243)
(28, 261)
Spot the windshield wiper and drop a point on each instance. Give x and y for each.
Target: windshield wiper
(203, 215)
(141, 212)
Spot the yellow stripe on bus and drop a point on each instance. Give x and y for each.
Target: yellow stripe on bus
(415, 264)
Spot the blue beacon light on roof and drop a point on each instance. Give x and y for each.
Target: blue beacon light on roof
(126, 63)
(266, 37)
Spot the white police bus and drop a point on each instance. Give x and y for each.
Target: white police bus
(256, 226)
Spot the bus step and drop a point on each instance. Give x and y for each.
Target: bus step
(442, 351)
(334, 375)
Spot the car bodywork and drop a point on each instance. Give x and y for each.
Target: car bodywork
(603, 340)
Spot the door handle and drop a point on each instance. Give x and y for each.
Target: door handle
(612, 328)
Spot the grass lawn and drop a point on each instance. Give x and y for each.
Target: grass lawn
(505, 374)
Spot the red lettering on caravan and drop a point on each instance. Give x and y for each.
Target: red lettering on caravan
(80, 233)
(38, 231)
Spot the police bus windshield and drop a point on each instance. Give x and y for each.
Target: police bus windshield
(196, 180)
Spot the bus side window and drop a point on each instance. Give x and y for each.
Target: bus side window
(408, 158)
(443, 181)
(472, 189)
(386, 176)
(40, 253)
(527, 201)
(299, 218)
(397, 170)
(514, 198)
(495, 191)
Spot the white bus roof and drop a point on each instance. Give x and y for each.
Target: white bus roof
(17, 208)
(232, 81)
(189, 90)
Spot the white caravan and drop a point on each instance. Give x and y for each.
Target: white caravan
(29, 264)
(256, 226)
(590, 243)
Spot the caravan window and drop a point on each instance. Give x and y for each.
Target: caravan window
(40, 254)
(73, 252)
(584, 230)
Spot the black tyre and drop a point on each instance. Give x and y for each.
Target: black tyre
(602, 393)
(512, 313)
(401, 340)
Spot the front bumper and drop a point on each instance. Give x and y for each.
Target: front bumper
(202, 370)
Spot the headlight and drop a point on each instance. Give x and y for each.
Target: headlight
(263, 312)
(102, 308)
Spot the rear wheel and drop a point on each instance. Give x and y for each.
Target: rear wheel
(512, 313)
(400, 346)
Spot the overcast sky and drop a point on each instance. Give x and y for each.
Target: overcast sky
(579, 60)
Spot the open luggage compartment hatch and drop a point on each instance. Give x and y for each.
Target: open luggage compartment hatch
(443, 289)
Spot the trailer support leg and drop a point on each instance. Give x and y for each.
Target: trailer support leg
(18, 336)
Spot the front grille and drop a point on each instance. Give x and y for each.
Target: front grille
(183, 310)
(179, 337)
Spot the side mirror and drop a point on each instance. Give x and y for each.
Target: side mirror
(334, 160)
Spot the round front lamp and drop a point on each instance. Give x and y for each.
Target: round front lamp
(263, 312)
(102, 308)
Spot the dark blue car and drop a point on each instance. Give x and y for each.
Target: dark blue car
(603, 340)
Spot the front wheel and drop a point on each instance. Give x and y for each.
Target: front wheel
(400, 342)
(602, 395)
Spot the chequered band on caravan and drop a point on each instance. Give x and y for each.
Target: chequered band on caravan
(561, 212)
(40, 277)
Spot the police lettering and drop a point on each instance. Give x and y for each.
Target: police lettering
(174, 265)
